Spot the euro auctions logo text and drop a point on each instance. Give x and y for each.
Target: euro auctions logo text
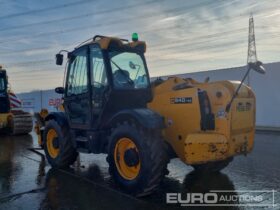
(223, 198)
(192, 198)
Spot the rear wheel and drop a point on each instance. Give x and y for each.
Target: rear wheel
(58, 146)
(137, 158)
(212, 166)
(20, 123)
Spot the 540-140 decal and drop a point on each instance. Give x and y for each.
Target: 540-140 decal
(181, 100)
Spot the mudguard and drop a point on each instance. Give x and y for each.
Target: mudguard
(60, 117)
(145, 117)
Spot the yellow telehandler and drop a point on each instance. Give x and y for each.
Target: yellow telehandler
(13, 120)
(110, 106)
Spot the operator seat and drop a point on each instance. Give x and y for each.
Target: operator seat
(122, 79)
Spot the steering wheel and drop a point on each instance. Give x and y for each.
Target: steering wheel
(121, 77)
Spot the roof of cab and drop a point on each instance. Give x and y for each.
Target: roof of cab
(105, 42)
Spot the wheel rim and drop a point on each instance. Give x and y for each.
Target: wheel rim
(52, 143)
(126, 171)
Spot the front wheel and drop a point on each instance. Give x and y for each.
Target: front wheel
(215, 166)
(58, 146)
(137, 158)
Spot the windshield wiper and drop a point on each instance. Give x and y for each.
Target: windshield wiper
(119, 68)
(130, 81)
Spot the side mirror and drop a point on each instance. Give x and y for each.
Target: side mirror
(258, 67)
(59, 59)
(59, 90)
(132, 65)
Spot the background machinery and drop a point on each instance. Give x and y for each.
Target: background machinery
(111, 107)
(12, 119)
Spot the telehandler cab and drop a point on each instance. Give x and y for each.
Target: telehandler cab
(106, 93)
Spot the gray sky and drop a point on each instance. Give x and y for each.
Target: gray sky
(182, 35)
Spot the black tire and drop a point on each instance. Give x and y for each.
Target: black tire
(152, 157)
(67, 154)
(212, 166)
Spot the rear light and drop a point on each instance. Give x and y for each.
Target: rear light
(207, 121)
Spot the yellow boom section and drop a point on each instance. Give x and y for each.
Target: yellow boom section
(178, 101)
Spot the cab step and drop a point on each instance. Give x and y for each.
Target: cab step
(82, 144)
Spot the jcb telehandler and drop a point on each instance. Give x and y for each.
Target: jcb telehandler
(13, 121)
(110, 106)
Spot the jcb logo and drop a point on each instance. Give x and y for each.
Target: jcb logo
(243, 107)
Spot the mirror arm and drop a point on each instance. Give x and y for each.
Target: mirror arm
(237, 90)
(63, 51)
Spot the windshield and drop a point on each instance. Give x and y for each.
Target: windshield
(128, 70)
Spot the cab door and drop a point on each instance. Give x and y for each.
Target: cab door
(77, 95)
(99, 83)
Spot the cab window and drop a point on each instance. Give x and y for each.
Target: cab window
(98, 76)
(77, 77)
(128, 69)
